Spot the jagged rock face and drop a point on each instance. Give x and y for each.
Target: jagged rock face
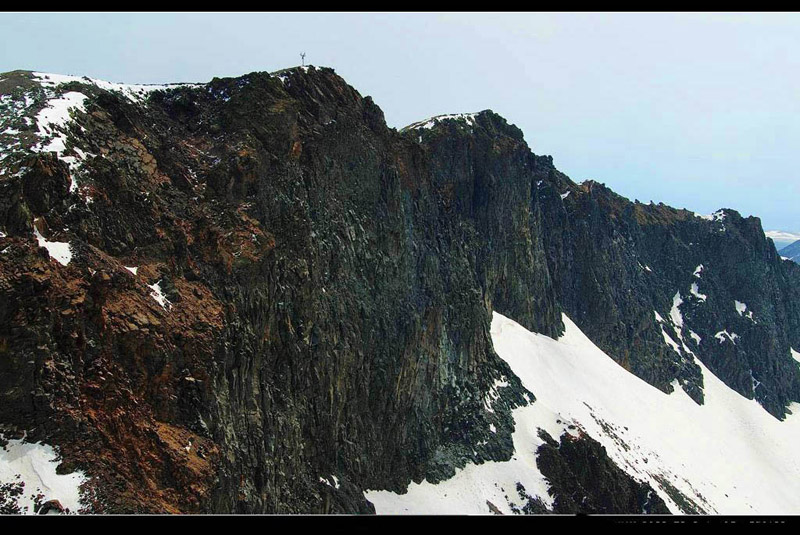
(617, 266)
(317, 310)
(484, 172)
(654, 286)
(274, 302)
(584, 480)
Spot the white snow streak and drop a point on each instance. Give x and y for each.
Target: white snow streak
(675, 312)
(695, 291)
(159, 296)
(695, 337)
(723, 335)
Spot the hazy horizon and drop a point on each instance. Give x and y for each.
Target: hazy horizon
(692, 110)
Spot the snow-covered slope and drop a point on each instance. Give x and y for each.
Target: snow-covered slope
(728, 456)
(792, 252)
(28, 478)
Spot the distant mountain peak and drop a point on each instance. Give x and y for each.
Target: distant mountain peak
(791, 252)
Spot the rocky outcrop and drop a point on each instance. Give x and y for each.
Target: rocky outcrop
(584, 480)
(274, 301)
(484, 174)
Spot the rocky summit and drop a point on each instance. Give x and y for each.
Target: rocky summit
(253, 296)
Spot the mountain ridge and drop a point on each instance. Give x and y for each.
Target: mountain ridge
(265, 273)
(791, 251)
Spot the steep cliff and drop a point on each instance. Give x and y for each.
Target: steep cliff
(651, 285)
(654, 286)
(264, 291)
(251, 295)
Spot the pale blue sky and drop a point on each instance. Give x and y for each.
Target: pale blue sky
(699, 111)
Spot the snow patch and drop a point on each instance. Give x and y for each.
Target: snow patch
(159, 296)
(670, 342)
(741, 308)
(719, 215)
(327, 481)
(692, 446)
(53, 119)
(468, 491)
(755, 382)
(60, 251)
(725, 335)
(427, 124)
(675, 312)
(34, 464)
(52, 123)
(695, 291)
(695, 337)
(133, 92)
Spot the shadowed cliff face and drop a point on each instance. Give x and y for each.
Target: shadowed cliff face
(584, 480)
(309, 312)
(656, 287)
(485, 174)
(653, 286)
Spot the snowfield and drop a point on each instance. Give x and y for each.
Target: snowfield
(728, 456)
(34, 464)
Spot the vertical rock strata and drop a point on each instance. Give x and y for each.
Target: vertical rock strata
(274, 301)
